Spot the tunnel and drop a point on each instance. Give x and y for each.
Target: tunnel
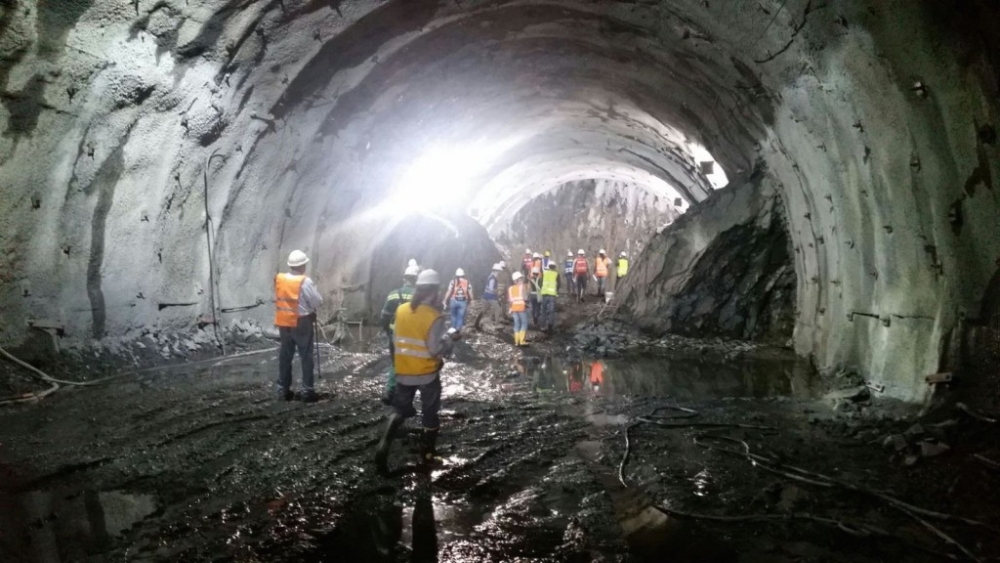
(800, 363)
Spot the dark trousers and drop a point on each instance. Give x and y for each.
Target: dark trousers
(299, 338)
(581, 284)
(430, 401)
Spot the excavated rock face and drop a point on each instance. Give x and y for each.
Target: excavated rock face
(876, 123)
(724, 269)
(587, 214)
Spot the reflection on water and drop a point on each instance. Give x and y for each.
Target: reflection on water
(678, 378)
(54, 526)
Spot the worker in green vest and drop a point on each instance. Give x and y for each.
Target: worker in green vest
(551, 280)
(622, 267)
(396, 298)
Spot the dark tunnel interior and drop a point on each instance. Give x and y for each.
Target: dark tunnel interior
(794, 355)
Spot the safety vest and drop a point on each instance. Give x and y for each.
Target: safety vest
(286, 299)
(536, 264)
(526, 264)
(413, 355)
(601, 267)
(622, 267)
(401, 296)
(459, 289)
(568, 266)
(515, 296)
(550, 282)
(580, 266)
(545, 264)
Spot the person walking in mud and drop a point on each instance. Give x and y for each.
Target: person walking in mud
(421, 343)
(491, 293)
(388, 319)
(518, 308)
(296, 301)
(550, 289)
(581, 271)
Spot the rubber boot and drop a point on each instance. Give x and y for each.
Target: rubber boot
(524, 338)
(382, 454)
(428, 449)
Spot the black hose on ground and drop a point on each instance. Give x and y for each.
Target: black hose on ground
(797, 474)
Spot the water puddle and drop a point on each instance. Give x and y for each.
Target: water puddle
(57, 526)
(682, 379)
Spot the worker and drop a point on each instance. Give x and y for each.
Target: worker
(536, 266)
(550, 289)
(518, 308)
(296, 300)
(422, 343)
(457, 299)
(388, 318)
(601, 265)
(491, 293)
(622, 268)
(526, 263)
(545, 261)
(596, 375)
(534, 288)
(581, 271)
(568, 271)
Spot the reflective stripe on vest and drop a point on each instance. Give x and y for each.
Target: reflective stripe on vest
(412, 355)
(459, 289)
(601, 267)
(550, 282)
(580, 266)
(491, 286)
(568, 267)
(286, 299)
(622, 267)
(515, 295)
(401, 296)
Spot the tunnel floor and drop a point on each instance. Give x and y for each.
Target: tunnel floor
(200, 462)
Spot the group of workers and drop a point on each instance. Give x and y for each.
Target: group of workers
(419, 339)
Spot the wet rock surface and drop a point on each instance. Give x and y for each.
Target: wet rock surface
(200, 462)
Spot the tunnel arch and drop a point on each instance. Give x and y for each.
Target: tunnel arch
(865, 119)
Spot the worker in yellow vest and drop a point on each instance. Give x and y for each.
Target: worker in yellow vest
(422, 341)
(517, 299)
(622, 268)
(601, 266)
(296, 300)
(550, 289)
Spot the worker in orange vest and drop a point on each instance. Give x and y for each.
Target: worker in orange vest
(602, 264)
(536, 266)
(457, 299)
(517, 300)
(526, 263)
(296, 300)
(581, 271)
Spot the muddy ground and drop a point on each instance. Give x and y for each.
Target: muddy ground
(200, 462)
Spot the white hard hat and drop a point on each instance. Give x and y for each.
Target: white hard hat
(624, 254)
(552, 264)
(496, 267)
(527, 251)
(601, 251)
(502, 264)
(413, 271)
(536, 255)
(516, 276)
(297, 258)
(412, 263)
(569, 254)
(428, 277)
(580, 252)
(459, 272)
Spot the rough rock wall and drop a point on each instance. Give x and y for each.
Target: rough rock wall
(877, 122)
(588, 214)
(723, 269)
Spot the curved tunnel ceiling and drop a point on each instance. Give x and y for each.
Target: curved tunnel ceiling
(316, 108)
